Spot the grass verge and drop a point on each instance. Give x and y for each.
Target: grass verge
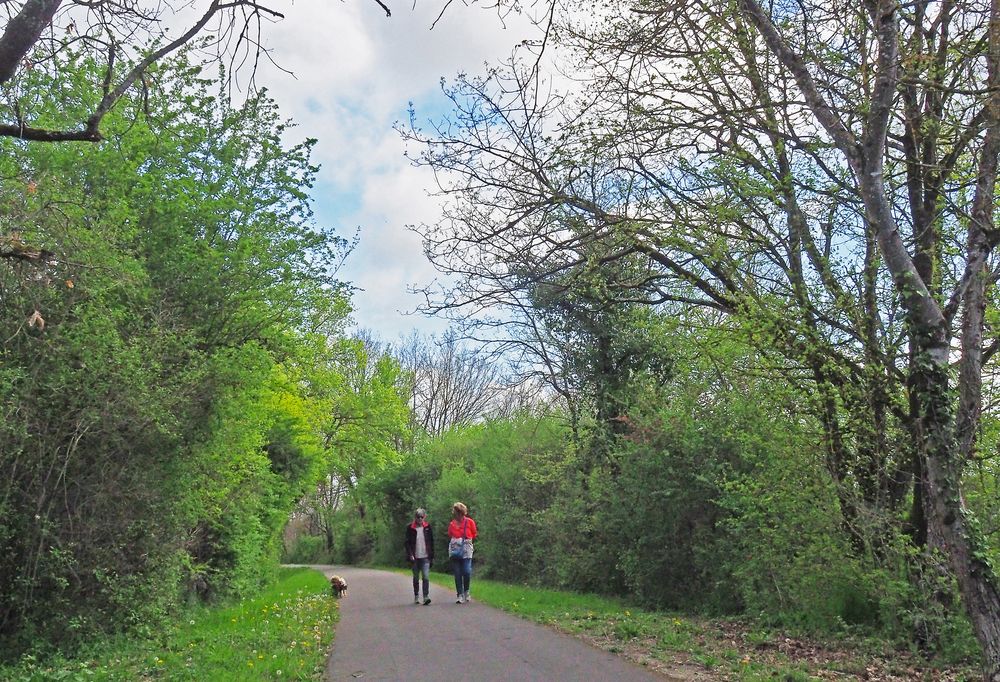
(283, 633)
(700, 649)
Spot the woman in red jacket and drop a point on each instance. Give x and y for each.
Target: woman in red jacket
(461, 533)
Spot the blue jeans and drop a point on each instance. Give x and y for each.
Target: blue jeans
(421, 566)
(462, 568)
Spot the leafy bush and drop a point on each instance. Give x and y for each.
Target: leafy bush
(308, 549)
(161, 424)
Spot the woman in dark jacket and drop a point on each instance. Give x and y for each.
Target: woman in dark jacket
(420, 553)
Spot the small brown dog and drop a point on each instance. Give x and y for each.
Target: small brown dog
(338, 586)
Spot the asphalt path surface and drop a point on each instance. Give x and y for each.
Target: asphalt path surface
(383, 635)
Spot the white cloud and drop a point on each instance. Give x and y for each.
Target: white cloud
(355, 71)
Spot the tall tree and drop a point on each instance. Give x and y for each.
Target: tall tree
(159, 410)
(368, 412)
(824, 175)
(452, 385)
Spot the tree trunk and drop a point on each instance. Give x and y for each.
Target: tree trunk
(937, 444)
(22, 32)
(965, 547)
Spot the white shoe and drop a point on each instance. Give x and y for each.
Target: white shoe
(416, 600)
(467, 598)
(461, 599)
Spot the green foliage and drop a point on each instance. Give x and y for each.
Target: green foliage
(714, 497)
(366, 418)
(308, 549)
(356, 536)
(918, 605)
(282, 632)
(368, 413)
(665, 500)
(161, 424)
(502, 470)
(728, 649)
(789, 559)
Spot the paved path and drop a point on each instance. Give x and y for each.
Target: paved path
(383, 635)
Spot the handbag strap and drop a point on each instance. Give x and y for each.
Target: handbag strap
(465, 522)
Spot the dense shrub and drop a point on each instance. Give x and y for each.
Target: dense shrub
(706, 497)
(161, 415)
(307, 549)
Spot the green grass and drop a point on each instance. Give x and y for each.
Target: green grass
(284, 633)
(610, 622)
(680, 643)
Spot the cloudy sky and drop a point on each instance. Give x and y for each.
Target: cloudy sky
(355, 71)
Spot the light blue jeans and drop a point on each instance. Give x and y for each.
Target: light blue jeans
(462, 568)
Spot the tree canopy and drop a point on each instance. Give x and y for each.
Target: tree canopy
(169, 367)
(823, 177)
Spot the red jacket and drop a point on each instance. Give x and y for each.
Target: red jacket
(455, 529)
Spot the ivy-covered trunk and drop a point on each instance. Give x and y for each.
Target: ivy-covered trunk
(943, 438)
(948, 520)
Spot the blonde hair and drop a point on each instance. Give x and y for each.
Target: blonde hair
(458, 507)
